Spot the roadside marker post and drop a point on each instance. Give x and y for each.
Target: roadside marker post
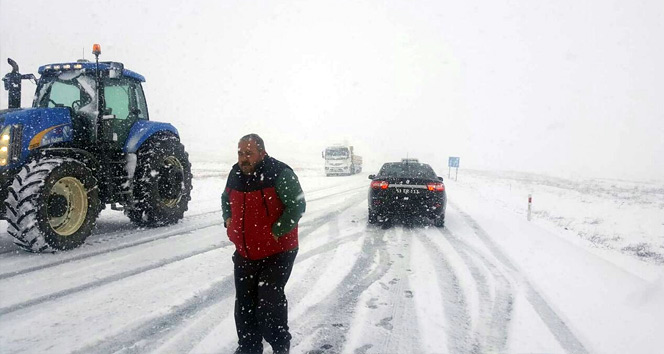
(530, 203)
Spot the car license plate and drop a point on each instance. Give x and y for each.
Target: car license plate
(408, 191)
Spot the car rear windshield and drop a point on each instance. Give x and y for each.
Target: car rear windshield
(413, 170)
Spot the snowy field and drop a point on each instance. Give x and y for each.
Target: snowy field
(586, 275)
(611, 214)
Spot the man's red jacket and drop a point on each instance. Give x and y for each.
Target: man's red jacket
(266, 203)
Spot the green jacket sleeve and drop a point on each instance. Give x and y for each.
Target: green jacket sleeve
(291, 195)
(225, 207)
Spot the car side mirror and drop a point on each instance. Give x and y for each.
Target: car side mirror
(372, 176)
(440, 179)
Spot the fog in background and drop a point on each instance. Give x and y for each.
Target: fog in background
(560, 87)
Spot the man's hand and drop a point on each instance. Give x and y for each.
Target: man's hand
(227, 222)
(275, 237)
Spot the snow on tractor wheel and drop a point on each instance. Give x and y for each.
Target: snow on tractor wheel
(52, 204)
(162, 182)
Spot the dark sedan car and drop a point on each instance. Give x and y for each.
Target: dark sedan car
(404, 191)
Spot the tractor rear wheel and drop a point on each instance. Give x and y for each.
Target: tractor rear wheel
(162, 182)
(52, 204)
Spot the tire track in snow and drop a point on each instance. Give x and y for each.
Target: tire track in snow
(105, 280)
(401, 297)
(460, 338)
(392, 302)
(310, 225)
(131, 272)
(125, 230)
(334, 186)
(205, 326)
(139, 236)
(496, 298)
(302, 286)
(150, 335)
(139, 338)
(329, 318)
(550, 318)
(344, 192)
(130, 230)
(192, 307)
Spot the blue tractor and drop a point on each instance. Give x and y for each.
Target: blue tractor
(86, 142)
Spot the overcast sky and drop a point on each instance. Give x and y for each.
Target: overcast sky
(562, 87)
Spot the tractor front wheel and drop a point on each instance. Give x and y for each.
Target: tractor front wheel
(52, 204)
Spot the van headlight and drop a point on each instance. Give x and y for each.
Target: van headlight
(5, 139)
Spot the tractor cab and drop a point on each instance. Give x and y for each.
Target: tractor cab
(105, 100)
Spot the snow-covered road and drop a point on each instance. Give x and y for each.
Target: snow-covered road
(490, 282)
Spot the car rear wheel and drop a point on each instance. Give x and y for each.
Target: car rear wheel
(439, 221)
(373, 218)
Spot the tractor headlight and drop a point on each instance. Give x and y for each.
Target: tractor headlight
(10, 143)
(5, 139)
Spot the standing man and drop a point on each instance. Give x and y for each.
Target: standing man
(261, 206)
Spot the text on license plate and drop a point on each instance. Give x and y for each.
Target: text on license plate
(407, 190)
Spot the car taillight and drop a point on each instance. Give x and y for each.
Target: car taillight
(379, 184)
(436, 187)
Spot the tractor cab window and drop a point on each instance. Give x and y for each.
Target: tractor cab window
(69, 89)
(140, 101)
(116, 96)
(124, 99)
(64, 94)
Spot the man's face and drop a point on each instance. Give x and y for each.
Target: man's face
(248, 156)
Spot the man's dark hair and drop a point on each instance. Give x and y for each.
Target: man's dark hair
(260, 145)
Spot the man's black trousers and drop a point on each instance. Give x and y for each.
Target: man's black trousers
(261, 308)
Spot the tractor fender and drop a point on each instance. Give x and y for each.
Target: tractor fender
(142, 131)
(85, 157)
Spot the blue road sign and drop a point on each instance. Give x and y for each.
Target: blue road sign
(453, 162)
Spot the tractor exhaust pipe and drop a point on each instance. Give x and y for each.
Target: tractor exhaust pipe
(13, 85)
